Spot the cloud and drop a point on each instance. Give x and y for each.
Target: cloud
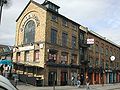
(82, 9)
(6, 39)
(8, 25)
(102, 16)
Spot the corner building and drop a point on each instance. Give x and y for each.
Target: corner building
(46, 46)
(50, 49)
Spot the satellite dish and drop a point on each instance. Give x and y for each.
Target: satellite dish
(112, 58)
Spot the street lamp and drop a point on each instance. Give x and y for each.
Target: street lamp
(3, 3)
(53, 77)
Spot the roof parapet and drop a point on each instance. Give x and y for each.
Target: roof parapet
(85, 29)
(104, 38)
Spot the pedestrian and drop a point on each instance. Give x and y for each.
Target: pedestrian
(15, 77)
(72, 80)
(78, 81)
(5, 71)
(82, 79)
(1, 69)
(87, 83)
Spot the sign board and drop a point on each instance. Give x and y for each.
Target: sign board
(90, 41)
(26, 48)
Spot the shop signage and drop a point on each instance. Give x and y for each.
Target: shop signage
(26, 48)
(90, 41)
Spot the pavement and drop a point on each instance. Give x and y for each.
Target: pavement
(22, 86)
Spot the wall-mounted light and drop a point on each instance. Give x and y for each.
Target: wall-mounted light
(48, 50)
(112, 58)
(41, 45)
(31, 44)
(37, 44)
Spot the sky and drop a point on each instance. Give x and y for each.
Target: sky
(101, 16)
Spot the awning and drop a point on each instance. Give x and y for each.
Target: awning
(8, 62)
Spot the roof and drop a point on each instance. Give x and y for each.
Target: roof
(47, 2)
(103, 38)
(41, 6)
(5, 50)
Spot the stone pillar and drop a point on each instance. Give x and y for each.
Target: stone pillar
(69, 77)
(46, 77)
(99, 78)
(105, 78)
(58, 76)
(93, 78)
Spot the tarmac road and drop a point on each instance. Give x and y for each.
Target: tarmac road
(92, 87)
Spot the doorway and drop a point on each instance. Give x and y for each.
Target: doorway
(52, 78)
(64, 78)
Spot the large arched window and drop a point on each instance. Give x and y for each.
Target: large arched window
(29, 32)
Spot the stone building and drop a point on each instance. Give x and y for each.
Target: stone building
(96, 58)
(50, 48)
(100, 54)
(46, 44)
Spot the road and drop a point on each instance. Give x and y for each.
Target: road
(92, 87)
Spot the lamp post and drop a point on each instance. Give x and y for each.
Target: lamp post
(53, 77)
(2, 2)
(112, 58)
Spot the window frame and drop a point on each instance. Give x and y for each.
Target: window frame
(37, 54)
(74, 43)
(64, 39)
(27, 56)
(53, 36)
(29, 34)
(54, 18)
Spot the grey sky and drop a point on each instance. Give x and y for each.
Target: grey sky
(101, 16)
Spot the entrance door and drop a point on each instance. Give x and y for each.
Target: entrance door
(64, 78)
(111, 77)
(90, 77)
(96, 77)
(52, 78)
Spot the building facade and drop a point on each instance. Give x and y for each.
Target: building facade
(51, 48)
(96, 58)
(100, 54)
(6, 52)
(46, 44)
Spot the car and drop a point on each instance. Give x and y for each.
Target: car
(5, 84)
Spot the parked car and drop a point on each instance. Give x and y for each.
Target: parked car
(5, 84)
